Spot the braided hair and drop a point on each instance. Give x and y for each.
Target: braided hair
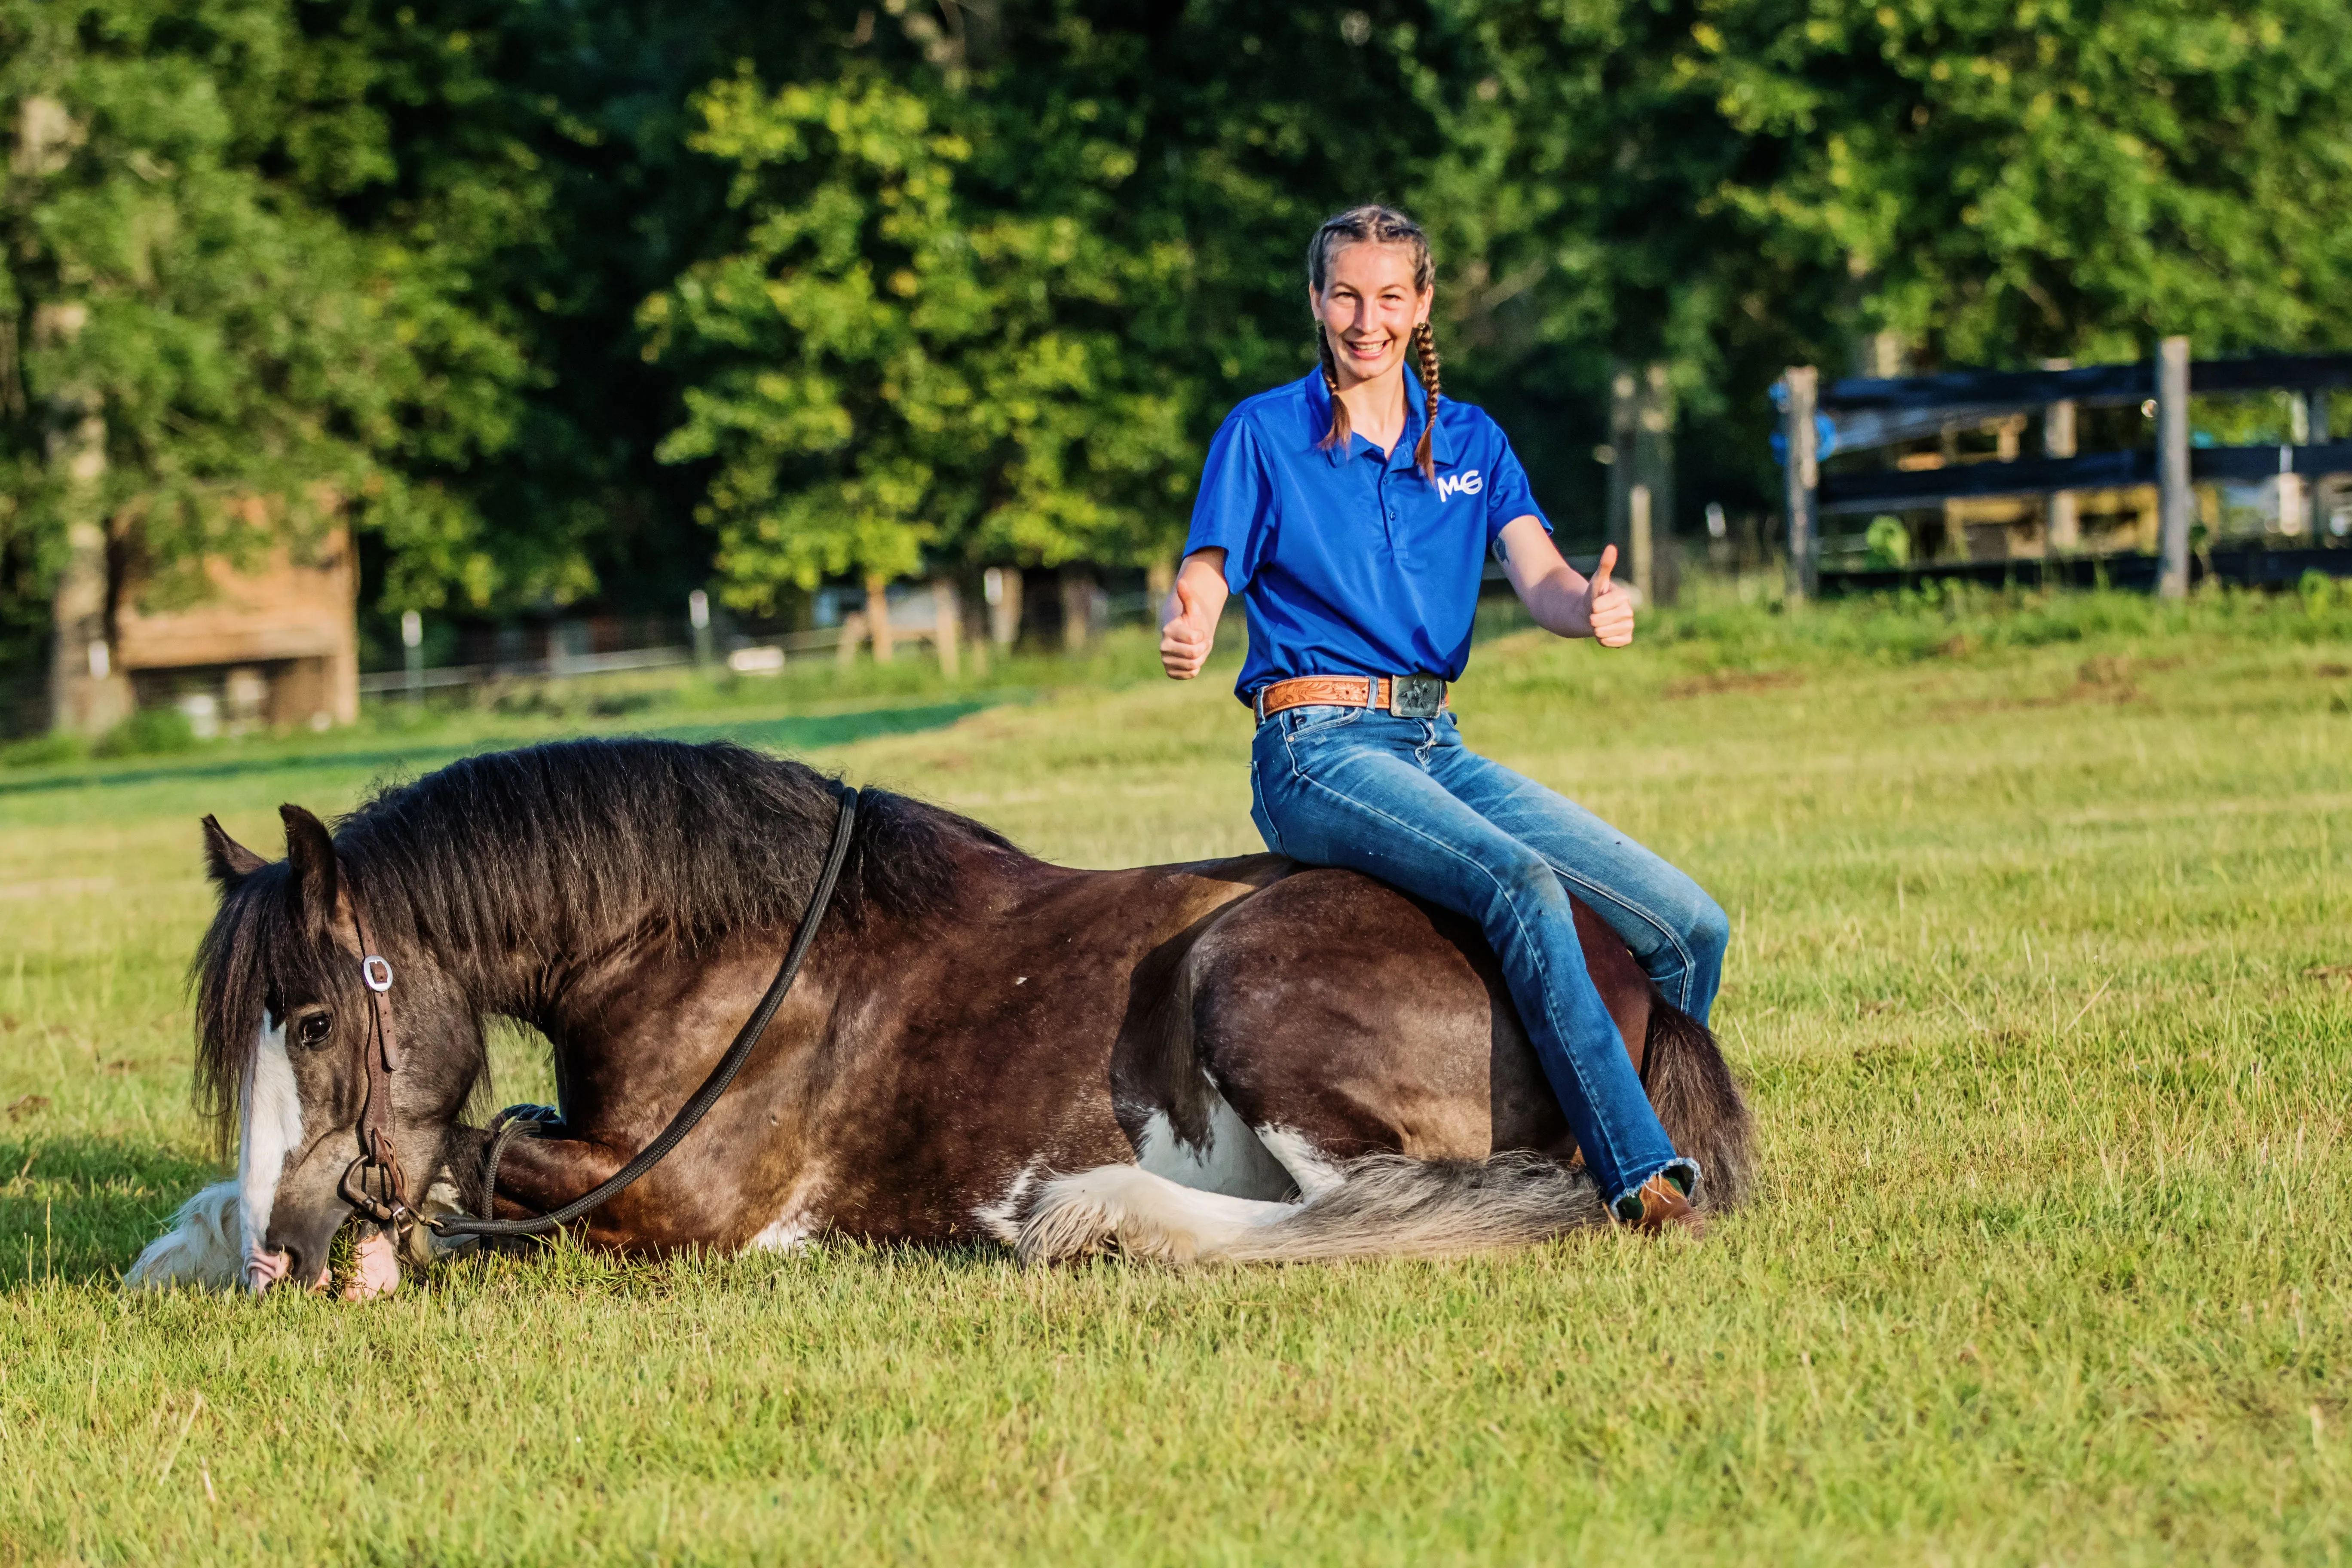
(1377, 224)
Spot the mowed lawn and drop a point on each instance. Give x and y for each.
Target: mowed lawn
(2042, 983)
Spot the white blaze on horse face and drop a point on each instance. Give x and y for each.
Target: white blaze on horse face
(272, 1131)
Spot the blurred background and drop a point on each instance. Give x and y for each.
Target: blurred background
(356, 353)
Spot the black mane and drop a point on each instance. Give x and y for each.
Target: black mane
(560, 850)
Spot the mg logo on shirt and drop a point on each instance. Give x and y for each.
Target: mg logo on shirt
(1467, 482)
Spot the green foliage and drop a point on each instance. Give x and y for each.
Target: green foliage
(559, 302)
(176, 268)
(2062, 179)
(147, 732)
(885, 370)
(1888, 540)
(43, 751)
(1735, 185)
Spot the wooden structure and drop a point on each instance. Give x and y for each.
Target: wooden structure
(273, 647)
(939, 622)
(2062, 486)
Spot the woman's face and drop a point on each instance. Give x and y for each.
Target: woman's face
(1368, 308)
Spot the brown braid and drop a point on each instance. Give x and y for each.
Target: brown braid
(1425, 343)
(1380, 225)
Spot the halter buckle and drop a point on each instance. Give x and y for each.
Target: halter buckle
(375, 972)
(372, 1188)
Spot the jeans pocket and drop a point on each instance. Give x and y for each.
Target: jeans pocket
(1315, 718)
(1259, 814)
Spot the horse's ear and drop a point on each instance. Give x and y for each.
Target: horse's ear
(229, 861)
(310, 849)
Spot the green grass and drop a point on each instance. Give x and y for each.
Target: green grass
(2042, 983)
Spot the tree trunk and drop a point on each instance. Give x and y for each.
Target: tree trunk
(1653, 470)
(1624, 403)
(87, 693)
(1079, 611)
(1001, 586)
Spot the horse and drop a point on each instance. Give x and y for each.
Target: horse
(1232, 1060)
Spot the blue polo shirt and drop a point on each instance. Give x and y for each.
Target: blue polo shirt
(1346, 562)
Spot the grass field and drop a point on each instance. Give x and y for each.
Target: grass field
(2041, 981)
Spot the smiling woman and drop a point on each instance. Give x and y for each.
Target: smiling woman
(1353, 510)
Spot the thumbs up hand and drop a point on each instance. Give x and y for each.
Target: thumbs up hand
(1608, 608)
(1190, 634)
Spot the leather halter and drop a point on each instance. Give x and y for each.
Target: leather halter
(374, 1184)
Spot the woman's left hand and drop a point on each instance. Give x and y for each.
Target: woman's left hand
(1608, 608)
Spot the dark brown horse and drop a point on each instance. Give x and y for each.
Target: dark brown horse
(1234, 1059)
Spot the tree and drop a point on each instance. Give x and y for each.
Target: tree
(881, 371)
(2074, 178)
(199, 355)
(1729, 186)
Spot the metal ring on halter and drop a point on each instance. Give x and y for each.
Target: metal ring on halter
(375, 972)
(382, 1201)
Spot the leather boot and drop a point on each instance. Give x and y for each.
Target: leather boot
(1664, 1207)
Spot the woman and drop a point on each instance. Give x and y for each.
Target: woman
(1353, 510)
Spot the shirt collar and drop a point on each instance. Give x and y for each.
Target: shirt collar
(1319, 417)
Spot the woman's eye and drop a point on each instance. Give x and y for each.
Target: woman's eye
(313, 1030)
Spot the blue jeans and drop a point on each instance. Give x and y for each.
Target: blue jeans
(1405, 801)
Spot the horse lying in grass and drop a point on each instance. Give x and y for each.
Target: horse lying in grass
(1242, 1060)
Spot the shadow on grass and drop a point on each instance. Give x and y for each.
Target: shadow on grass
(79, 1209)
(788, 734)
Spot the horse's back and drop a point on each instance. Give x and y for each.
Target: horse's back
(1363, 1020)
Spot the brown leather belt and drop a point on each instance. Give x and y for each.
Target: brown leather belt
(1409, 696)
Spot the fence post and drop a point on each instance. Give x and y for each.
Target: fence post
(947, 625)
(1801, 476)
(1646, 581)
(411, 644)
(2061, 526)
(2175, 501)
(1000, 587)
(698, 618)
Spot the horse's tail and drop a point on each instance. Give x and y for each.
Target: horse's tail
(1383, 1205)
(1390, 1205)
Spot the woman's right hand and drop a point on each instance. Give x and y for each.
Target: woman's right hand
(1190, 634)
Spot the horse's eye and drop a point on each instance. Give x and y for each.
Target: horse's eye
(313, 1030)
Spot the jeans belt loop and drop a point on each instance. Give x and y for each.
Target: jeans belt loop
(1371, 692)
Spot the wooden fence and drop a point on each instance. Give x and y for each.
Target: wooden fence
(1865, 413)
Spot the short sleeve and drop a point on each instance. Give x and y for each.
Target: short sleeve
(1508, 497)
(1234, 511)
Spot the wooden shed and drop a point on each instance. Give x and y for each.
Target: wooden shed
(276, 646)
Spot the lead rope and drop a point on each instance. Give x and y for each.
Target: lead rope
(712, 1087)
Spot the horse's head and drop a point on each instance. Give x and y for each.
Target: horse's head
(285, 1023)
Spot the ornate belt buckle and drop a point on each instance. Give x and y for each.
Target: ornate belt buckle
(1416, 696)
